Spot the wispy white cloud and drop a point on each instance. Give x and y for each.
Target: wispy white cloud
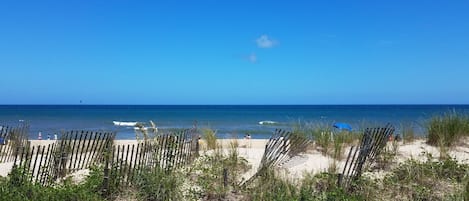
(252, 58)
(265, 42)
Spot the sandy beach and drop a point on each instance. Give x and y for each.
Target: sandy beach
(311, 161)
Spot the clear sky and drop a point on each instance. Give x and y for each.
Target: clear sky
(234, 52)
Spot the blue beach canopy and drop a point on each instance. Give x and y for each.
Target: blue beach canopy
(343, 126)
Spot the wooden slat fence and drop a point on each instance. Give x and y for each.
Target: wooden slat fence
(75, 150)
(371, 144)
(167, 151)
(281, 147)
(12, 137)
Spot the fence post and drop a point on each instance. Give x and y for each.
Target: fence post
(197, 147)
(107, 157)
(225, 177)
(339, 179)
(63, 163)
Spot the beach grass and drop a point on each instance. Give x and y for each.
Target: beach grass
(431, 179)
(210, 137)
(17, 186)
(428, 180)
(159, 184)
(408, 133)
(447, 129)
(218, 172)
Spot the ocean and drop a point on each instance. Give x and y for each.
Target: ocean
(227, 120)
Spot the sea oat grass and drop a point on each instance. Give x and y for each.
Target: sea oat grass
(447, 129)
(323, 139)
(210, 137)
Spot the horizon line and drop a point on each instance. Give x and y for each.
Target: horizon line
(361, 104)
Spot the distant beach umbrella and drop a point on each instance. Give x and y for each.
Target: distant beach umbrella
(343, 126)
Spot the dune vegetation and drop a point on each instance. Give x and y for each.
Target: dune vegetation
(217, 174)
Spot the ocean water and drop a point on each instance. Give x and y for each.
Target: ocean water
(228, 120)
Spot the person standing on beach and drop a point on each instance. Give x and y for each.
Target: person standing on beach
(55, 136)
(48, 136)
(247, 138)
(39, 136)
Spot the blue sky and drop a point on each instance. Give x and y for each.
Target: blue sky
(234, 52)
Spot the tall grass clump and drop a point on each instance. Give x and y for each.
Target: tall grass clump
(408, 133)
(271, 186)
(447, 129)
(323, 139)
(210, 137)
(301, 134)
(159, 184)
(234, 164)
(331, 141)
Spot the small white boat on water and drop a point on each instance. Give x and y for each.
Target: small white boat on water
(124, 123)
(267, 122)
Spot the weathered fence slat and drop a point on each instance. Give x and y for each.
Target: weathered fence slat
(372, 142)
(46, 164)
(12, 137)
(281, 146)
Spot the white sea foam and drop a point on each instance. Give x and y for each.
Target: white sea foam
(124, 123)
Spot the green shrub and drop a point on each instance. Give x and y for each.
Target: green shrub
(17, 186)
(208, 172)
(158, 184)
(430, 180)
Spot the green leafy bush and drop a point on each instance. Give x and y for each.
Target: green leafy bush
(17, 186)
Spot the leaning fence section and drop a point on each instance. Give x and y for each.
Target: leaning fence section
(282, 146)
(12, 137)
(370, 146)
(75, 150)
